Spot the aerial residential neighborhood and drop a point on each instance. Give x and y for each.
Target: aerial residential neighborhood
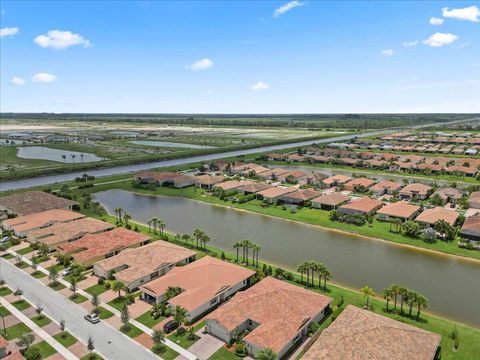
(228, 180)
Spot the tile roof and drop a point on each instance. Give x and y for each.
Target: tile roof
(200, 281)
(337, 179)
(144, 260)
(303, 194)
(255, 187)
(364, 204)
(362, 181)
(92, 246)
(471, 226)
(474, 196)
(66, 231)
(232, 184)
(431, 216)
(399, 209)
(332, 199)
(449, 192)
(416, 189)
(209, 180)
(281, 310)
(359, 334)
(30, 202)
(41, 219)
(14, 356)
(389, 185)
(276, 192)
(3, 342)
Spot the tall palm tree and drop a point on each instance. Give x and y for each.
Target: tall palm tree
(422, 303)
(161, 225)
(197, 234)
(387, 295)
(411, 301)
(394, 288)
(327, 275)
(403, 292)
(367, 292)
(266, 354)
(237, 245)
(248, 245)
(126, 218)
(73, 157)
(301, 270)
(82, 156)
(204, 239)
(256, 249)
(118, 286)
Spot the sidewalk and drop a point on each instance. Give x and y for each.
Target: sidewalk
(38, 330)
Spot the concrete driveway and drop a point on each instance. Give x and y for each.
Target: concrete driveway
(205, 347)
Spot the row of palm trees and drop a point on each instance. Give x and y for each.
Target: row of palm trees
(409, 297)
(157, 224)
(64, 157)
(247, 245)
(312, 268)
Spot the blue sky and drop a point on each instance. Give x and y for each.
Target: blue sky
(240, 57)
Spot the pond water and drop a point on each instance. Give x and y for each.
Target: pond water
(451, 284)
(45, 153)
(169, 144)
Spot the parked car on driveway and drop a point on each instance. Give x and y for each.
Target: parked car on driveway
(5, 239)
(67, 271)
(93, 318)
(170, 326)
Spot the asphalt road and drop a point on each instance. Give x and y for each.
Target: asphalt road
(58, 307)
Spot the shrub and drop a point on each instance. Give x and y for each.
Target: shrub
(32, 353)
(181, 331)
(101, 281)
(340, 302)
(336, 313)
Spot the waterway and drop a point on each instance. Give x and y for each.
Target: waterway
(46, 153)
(169, 144)
(452, 285)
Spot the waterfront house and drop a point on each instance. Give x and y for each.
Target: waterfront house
(273, 313)
(361, 206)
(253, 188)
(231, 184)
(204, 284)
(449, 194)
(95, 247)
(415, 192)
(31, 202)
(398, 210)
(330, 201)
(431, 216)
(207, 181)
(474, 200)
(359, 332)
(21, 225)
(272, 174)
(359, 183)
(138, 266)
(336, 180)
(463, 170)
(385, 187)
(274, 193)
(299, 197)
(471, 228)
(295, 176)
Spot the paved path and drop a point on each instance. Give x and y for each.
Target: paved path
(38, 330)
(56, 306)
(185, 353)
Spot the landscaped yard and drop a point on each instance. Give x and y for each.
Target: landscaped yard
(104, 313)
(91, 356)
(182, 340)
(168, 354)
(25, 250)
(78, 298)
(58, 267)
(45, 349)
(78, 278)
(17, 330)
(132, 331)
(41, 320)
(4, 311)
(96, 289)
(8, 256)
(38, 274)
(5, 291)
(58, 286)
(147, 320)
(224, 354)
(65, 338)
(22, 265)
(21, 304)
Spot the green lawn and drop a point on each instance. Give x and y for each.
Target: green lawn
(4, 311)
(132, 331)
(8, 256)
(182, 340)
(118, 302)
(22, 265)
(65, 338)
(41, 320)
(78, 298)
(104, 313)
(58, 267)
(21, 304)
(147, 320)
(96, 289)
(24, 250)
(17, 330)
(45, 349)
(70, 277)
(168, 354)
(58, 286)
(91, 356)
(5, 291)
(38, 274)
(224, 354)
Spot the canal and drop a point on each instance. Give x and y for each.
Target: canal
(451, 284)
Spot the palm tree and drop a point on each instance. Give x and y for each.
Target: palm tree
(204, 239)
(82, 156)
(422, 303)
(150, 222)
(118, 286)
(237, 245)
(256, 249)
(180, 314)
(248, 245)
(73, 157)
(266, 354)
(25, 341)
(53, 275)
(95, 302)
(161, 225)
(387, 295)
(367, 292)
(73, 286)
(301, 269)
(126, 218)
(197, 234)
(411, 301)
(64, 157)
(158, 336)
(327, 275)
(394, 288)
(403, 292)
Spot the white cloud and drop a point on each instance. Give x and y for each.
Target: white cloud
(471, 13)
(410, 43)
(259, 86)
(18, 81)
(44, 77)
(287, 7)
(387, 52)
(8, 31)
(436, 21)
(439, 39)
(57, 39)
(202, 64)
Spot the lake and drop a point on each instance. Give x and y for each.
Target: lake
(169, 144)
(45, 153)
(451, 284)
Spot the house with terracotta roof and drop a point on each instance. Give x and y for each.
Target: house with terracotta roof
(272, 174)
(471, 228)
(207, 181)
(449, 194)
(330, 201)
(30, 202)
(204, 284)
(253, 188)
(415, 192)
(336, 180)
(255, 171)
(474, 200)
(295, 158)
(362, 334)
(293, 176)
(275, 193)
(231, 184)
(21, 225)
(95, 247)
(431, 216)
(273, 313)
(464, 170)
(435, 168)
(241, 167)
(138, 266)
(299, 197)
(398, 210)
(276, 157)
(65, 232)
(359, 183)
(385, 187)
(361, 206)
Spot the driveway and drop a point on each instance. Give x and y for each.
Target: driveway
(58, 307)
(205, 347)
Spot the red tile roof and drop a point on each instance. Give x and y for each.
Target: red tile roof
(45, 218)
(30, 202)
(431, 216)
(332, 199)
(399, 209)
(365, 205)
